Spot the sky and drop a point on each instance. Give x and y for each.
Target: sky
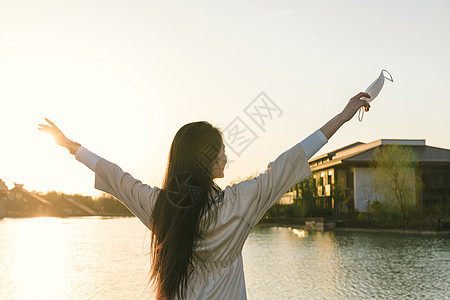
(121, 77)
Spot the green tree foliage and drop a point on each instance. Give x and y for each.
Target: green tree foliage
(103, 205)
(52, 196)
(108, 205)
(85, 200)
(58, 199)
(339, 195)
(394, 174)
(378, 211)
(305, 204)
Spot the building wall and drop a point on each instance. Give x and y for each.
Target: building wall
(435, 184)
(364, 187)
(2, 206)
(366, 191)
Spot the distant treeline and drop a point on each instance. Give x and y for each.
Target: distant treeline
(103, 205)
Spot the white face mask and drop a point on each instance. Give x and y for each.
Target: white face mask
(374, 89)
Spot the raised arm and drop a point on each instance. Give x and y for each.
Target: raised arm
(138, 197)
(349, 111)
(252, 198)
(59, 136)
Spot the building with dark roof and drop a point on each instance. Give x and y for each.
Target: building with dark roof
(350, 166)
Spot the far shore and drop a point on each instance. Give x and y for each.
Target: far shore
(379, 230)
(273, 223)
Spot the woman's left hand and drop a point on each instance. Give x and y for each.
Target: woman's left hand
(56, 133)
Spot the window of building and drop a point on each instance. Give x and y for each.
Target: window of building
(436, 176)
(350, 180)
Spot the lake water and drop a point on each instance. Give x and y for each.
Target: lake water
(94, 258)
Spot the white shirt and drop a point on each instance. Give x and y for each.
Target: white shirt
(243, 206)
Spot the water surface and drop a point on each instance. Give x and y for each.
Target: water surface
(94, 258)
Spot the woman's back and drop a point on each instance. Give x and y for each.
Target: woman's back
(220, 274)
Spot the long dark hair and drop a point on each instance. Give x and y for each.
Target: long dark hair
(182, 207)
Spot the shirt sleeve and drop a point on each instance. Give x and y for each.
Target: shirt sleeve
(313, 143)
(252, 198)
(139, 198)
(87, 157)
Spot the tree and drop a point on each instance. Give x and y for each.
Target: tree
(307, 205)
(394, 174)
(106, 204)
(339, 196)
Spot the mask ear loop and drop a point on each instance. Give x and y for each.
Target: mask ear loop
(360, 114)
(390, 76)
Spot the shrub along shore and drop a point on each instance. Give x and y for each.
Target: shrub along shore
(430, 227)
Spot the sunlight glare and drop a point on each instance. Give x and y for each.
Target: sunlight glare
(299, 232)
(38, 261)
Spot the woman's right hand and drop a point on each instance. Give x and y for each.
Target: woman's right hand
(353, 105)
(349, 111)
